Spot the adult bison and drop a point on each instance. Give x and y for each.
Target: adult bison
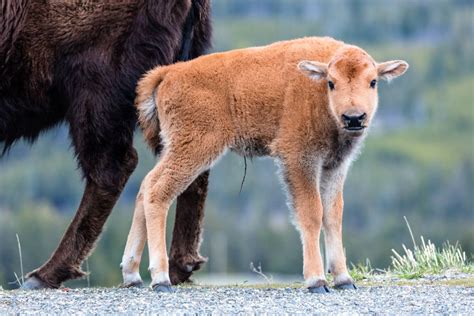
(78, 62)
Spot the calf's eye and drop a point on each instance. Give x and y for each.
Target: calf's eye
(331, 85)
(373, 83)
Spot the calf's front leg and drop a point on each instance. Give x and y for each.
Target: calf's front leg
(309, 214)
(335, 257)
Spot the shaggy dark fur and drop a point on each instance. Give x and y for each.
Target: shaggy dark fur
(78, 61)
(341, 146)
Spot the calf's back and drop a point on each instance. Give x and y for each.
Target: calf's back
(251, 97)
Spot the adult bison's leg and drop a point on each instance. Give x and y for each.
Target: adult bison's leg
(102, 137)
(184, 253)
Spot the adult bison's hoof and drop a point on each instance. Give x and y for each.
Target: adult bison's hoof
(347, 286)
(181, 273)
(178, 275)
(33, 283)
(163, 288)
(136, 284)
(319, 289)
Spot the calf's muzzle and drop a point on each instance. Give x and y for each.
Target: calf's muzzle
(354, 121)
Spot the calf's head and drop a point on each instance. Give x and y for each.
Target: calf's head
(351, 78)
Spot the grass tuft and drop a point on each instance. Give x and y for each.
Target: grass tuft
(426, 258)
(361, 271)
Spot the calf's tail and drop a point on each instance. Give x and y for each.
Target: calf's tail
(146, 104)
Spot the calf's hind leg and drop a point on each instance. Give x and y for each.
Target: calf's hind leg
(184, 252)
(135, 243)
(185, 257)
(175, 172)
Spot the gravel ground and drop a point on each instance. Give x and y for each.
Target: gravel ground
(406, 299)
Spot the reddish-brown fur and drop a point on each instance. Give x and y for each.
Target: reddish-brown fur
(274, 101)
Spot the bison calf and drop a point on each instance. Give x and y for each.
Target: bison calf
(307, 103)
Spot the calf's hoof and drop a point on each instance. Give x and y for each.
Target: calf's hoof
(34, 283)
(347, 286)
(323, 289)
(163, 288)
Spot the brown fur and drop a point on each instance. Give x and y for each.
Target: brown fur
(271, 100)
(78, 62)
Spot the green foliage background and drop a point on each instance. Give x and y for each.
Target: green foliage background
(418, 161)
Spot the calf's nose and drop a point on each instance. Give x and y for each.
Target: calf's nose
(353, 119)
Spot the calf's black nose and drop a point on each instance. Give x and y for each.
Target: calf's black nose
(354, 120)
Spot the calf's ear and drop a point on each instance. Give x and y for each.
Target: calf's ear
(313, 69)
(392, 69)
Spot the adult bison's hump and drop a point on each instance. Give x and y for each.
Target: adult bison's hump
(59, 24)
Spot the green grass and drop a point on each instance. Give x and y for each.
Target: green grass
(361, 271)
(426, 258)
(465, 282)
(274, 285)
